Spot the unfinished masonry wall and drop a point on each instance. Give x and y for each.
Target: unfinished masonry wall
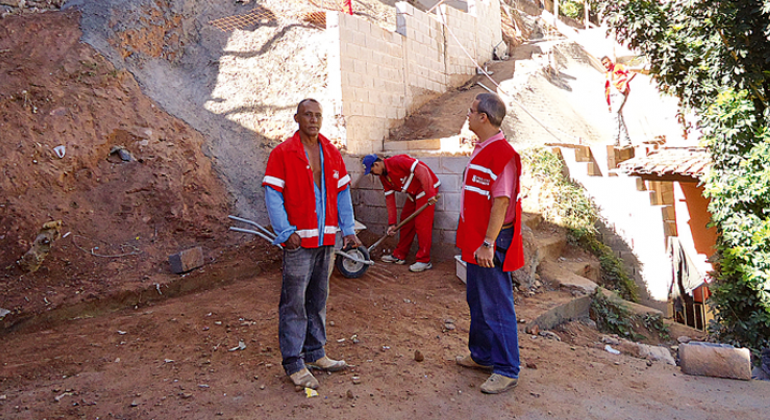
(369, 200)
(377, 77)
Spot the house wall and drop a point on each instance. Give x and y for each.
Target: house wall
(692, 216)
(377, 77)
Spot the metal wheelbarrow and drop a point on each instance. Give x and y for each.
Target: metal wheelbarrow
(351, 262)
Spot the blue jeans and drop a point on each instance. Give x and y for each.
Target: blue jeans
(493, 338)
(302, 311)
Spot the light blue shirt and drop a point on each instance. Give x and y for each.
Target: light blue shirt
(276, 210)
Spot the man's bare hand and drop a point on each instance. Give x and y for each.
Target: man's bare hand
(293, 242)
(432, 200)
(351, 240)
(485, 257)
(391, 230)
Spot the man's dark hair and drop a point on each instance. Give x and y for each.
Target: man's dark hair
(302, 102)
(493, 106)
(605, 58)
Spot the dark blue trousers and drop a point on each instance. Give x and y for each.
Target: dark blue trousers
(493, 339)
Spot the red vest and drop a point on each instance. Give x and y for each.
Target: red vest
(401, 177)
(288, 172)
(481, 173)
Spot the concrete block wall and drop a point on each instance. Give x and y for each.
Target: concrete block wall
(377, 77)
(463, 26)
(369, 200)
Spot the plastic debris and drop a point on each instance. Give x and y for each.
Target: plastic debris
(310, 393)
(611, 350)
(60, 151)
(241, 346)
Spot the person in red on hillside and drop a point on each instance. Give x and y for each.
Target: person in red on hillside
(616, 91)
(408, 175)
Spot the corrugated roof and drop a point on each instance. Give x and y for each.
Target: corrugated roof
(683, 161)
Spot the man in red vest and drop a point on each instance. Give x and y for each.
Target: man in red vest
(489, 237)
(307, 192)
(408, 175)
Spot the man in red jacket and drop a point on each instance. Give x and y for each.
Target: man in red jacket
(489, 236)
(307, 192)
(408, 175)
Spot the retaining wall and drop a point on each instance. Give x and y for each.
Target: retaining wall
(377, 77)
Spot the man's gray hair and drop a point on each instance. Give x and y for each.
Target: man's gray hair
(493, 106)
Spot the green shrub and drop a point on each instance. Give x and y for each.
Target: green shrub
(574, 209)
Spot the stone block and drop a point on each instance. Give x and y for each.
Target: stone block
(715, 360)
(187, 260)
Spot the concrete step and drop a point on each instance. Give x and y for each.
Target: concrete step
(549, 246)
(560, 276)
(426, 145)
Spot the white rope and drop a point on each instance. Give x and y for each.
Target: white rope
(497, 85)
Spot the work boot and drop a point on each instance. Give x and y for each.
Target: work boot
(498, 383)
(304, 379)
(391, 259)
(328, 364)
(420, 266)
(467, 361)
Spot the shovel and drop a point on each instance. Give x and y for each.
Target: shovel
(402, 223)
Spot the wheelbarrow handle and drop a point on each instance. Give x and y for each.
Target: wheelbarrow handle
(403, 222)
(254, 232)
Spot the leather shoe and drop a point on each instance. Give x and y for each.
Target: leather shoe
(498, 383)
(303, 378)
(467, 361)
(328, 364)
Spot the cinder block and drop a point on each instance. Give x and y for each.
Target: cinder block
(715, 360)
(452, 200)
(187, 260)
(446, 220)
(449, 236)
(449, 182)
(432, 162)
(453, 165)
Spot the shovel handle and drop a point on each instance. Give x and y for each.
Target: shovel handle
(403, 222)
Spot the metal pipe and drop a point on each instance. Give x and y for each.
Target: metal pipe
(253, 223)
(353, 257)
(254, 232)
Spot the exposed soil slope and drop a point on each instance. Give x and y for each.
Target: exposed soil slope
(57, 91)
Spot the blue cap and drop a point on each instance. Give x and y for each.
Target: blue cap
(368, 161)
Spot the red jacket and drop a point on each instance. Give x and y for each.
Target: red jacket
(410, 176)
(618, 78)
(481, 173)
(289, 172)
